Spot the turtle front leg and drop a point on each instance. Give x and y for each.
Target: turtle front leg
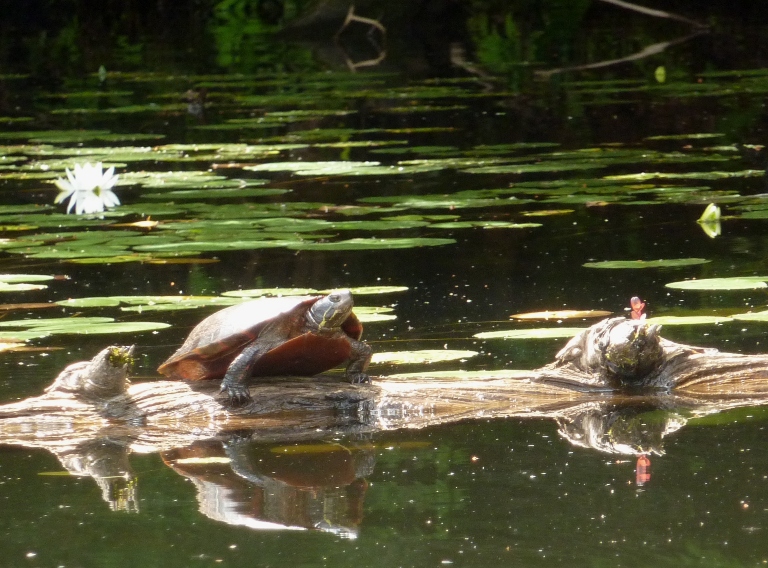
(235, 382)
(359, 358)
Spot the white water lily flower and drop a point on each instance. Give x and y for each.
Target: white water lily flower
(88, 188)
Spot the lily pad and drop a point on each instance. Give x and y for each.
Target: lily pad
(216, 193)
(216, 246)
(108, 328)
(547, 212)
(362, 290)
(535, 333)
(660, 263)
(83, 325)
(259, 292)
(12, 278)
(562, 314)
(484, 225)
(365, 317)
(421, 356)
(713, 175)
(343, 168)
(687, 320)
(752, 316)
(46, 322)
(139, 303)
(698, 136)
(20, 287)
(714, 284)
(374, 244)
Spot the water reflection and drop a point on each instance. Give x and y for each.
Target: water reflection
(106, 461)
(632, 428)
(239, 482)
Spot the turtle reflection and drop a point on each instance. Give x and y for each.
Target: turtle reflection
(637, 428)
(317, 486)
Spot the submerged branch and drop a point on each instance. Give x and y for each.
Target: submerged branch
(654, 13)
(647, 51)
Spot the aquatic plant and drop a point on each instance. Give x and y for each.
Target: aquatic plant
(88, 188)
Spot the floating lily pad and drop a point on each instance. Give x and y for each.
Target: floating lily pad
(543, 167)
(380, 225)
(699, 136)
(687, 175)
(485, 225)
(259, 292)
(20, 287)
(178, 259)
(365, 317)
(374, 244)
(108, 328)
(117, 259)
(752, 316)
(687, 320)
(661, 263)
(61, 322)
(216, 246)
(12, 278)
(216, 193)
(547, 212)
(330, 168)
(562, 314)
(536, 333)
(21, 336)
(147, 302)
(421, 356)
(713, 284)
(56, 136)
(457, 200)
(83, 325)
(342, 168)
(177, 306)
(362, 290)
(66, 252)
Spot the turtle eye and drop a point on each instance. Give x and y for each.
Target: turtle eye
(334, 298)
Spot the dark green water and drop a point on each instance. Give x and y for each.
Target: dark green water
(499, 148)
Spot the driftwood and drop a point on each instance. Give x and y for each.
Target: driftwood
(598, 389)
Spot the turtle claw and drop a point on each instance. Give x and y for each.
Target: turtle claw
(238, 394)
(359, 378)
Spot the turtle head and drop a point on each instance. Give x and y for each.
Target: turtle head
(332, 310)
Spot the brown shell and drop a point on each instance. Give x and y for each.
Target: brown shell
(214, 343)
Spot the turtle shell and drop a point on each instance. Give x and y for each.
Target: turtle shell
(214, 343)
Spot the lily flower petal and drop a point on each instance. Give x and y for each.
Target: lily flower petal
(88, 188)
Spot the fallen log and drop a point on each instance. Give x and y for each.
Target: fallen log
(615, 358)
(91, 417)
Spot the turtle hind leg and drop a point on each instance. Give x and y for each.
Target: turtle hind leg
(359, 358)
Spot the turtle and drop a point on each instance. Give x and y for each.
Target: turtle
(301, 335)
